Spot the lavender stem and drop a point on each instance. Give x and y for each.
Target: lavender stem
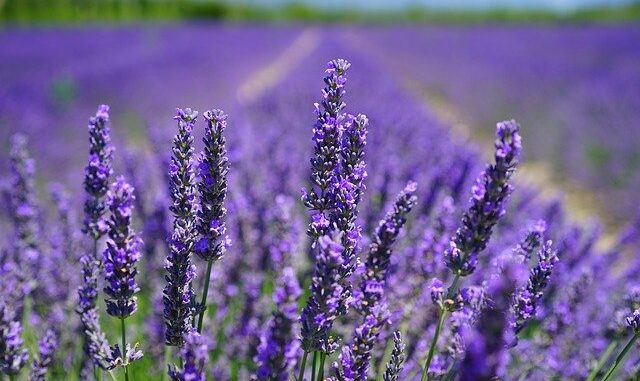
(434, 341)
(602, 360)
(124, 349)
(205, 292)
(621, 357)
(303, 364)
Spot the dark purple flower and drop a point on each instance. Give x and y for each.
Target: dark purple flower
(525, 300)
(122, 252)
(324, 304)
(47, 347)
(178, 294)
(396, 362)
(354, 360)
(97, 173)
(24, 212)
(194, 355)
(278, 349)
(213, 168)
(488, 201)
(327, 135)
(12, 356)
(379, 256)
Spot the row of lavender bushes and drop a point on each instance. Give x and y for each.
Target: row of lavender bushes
(576, 87)
(400, 276)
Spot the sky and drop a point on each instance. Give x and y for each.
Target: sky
(556, 5)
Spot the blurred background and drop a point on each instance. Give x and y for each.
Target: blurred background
(567, 70)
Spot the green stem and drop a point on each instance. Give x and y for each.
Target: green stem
(314, 365)
(323, 356)
(12, 377)
(621, 357)
(452, 290)
(205, 292)
(124, 350)
(602, 360)
(432, 348)
(167, 360)
(113, 378)
(303, 363)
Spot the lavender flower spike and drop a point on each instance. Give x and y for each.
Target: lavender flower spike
(194, 356)
(23, 200)
(323, 305)
(97, 173)
(355, 358)
(122, 252)
(327, 133)
(377, 262)
(97, 347)
(396, 362)
(212, 187)
(278, 350)
(489, 196)
(12, 356)
(47, 347)
(213, 168)
(525, 300)
(177, 294)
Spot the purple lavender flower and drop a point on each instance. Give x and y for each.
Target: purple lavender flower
(178, 309)
(489, 196)
(633, 321)
(531, 241)
(12, 356)
(24, 212)
(327, 133)
(525, 301)
(97, 173)
(378, 259)
(325, 301)
(24, 215)
(352, 165)
(47, 347)
(97, 347)
(278, 350)
(396, 362)
(213, 168)
(354, 359)
(194, 356)
(122, 252)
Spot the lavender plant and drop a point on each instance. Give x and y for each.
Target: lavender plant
(488, 201)
(178, 292)
(120, 258)
(212, 188)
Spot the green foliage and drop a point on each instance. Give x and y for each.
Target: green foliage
(83, 11)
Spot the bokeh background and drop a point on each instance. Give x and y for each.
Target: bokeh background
(568, 70)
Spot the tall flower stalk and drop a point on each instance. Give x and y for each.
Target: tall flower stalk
(96, 184)
(178, 293)
(120, 258)
(337, 177)
(213, 168)
(488, 203)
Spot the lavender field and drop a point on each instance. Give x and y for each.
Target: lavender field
(374, 203)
